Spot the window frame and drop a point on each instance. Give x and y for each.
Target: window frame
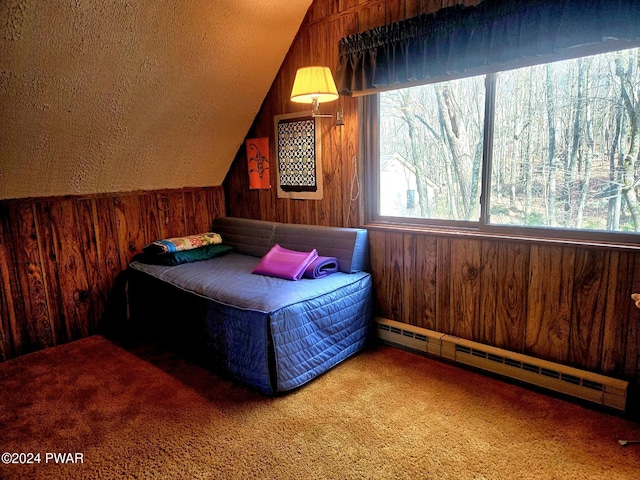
(369, 108)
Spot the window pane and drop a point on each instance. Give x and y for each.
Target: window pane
(431, 150)
(565, 151)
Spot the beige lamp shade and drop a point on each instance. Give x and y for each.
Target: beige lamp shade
(314, 85)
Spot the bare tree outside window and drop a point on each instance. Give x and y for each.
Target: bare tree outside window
(437, 132)
(565, 147)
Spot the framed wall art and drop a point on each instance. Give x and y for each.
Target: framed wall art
(298, 156)
(258, 162)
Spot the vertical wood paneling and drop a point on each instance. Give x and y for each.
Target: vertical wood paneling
(409, 281)
(33, 312)
(8, 323)
(564, 304)
(412, 8)
(350, 4)
(105, 224)
(131, 229)
(587, 312)
(353, 174)
(443, 290)
(489, 275)
(395, 11)
(171, 214)
(151, 228)
(59, 258)
(632, 354)
(216, 205)
(95, 300)
(196, 214)
(512, 265)
(373, 16)
(319, 10)
(349, 25)
(465, 287)
(242, 201)
(394, 255)
(618, 313)
(378, 265)
(425, 284)
(268, 207)
(549, 302)
(66, 271)
(336, 203)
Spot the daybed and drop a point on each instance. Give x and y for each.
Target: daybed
(270, 333)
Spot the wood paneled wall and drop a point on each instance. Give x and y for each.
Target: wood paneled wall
(564, 303)
(60, 257)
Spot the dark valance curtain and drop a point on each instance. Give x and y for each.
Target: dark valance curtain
(454, 40)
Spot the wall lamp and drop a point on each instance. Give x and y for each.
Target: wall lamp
(315, 85)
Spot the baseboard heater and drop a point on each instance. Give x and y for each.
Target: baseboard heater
(607, 391)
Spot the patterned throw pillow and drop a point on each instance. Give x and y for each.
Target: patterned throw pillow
(179, 244)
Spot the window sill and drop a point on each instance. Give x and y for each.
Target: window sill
(471, 233)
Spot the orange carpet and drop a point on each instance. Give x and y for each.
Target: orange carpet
(384, 414)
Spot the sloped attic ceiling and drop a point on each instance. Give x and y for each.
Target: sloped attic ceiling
(125, 95)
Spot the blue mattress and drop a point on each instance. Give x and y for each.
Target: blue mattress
(270, 333)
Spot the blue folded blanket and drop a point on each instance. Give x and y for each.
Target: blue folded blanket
(321, 267)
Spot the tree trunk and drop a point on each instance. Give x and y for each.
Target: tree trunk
(615, 177)
(587, 128)
(462, 159)
(586, 178)
(576, 140)
(527, 166)
(415, 163)
(551, 184)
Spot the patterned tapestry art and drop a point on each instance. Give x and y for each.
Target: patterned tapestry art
(299, 172)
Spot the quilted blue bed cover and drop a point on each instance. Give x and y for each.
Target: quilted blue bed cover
(270, 333)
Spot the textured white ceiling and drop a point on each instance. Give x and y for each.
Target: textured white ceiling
(132, 94)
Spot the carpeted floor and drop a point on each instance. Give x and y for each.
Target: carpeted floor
(384, 414)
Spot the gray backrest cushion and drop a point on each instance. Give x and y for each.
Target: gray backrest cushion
(349, 245)
(255, 237)
(247, 236)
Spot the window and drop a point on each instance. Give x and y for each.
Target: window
(551, 147)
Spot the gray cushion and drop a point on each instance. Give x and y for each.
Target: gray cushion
(348, 245)
(256, 237)
(247, 236)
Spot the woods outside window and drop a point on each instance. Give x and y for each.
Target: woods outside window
(503, 115)
(552, 146)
